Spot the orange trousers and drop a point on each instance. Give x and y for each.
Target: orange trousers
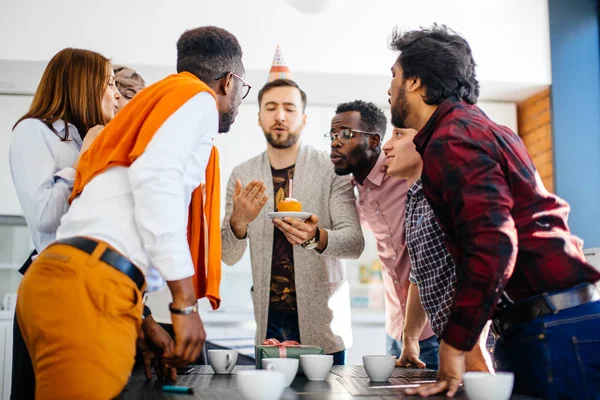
(80, 319)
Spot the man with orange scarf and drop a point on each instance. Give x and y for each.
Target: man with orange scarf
(145, 210)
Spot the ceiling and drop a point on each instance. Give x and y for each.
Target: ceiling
(509, 38)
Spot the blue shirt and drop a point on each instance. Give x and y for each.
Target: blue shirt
(41, 168)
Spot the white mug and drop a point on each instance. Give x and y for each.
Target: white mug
(222, 361)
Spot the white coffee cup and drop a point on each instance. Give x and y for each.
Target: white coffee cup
(379, 368)
(486, 386)
(261, 384)
(222, 361)
(316, 367)
(289, 366)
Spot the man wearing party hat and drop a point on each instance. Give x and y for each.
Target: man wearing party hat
(300, 291)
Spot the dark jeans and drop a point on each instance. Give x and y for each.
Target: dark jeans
(23, 378)
(555, 356)
(283, 325)
(429, 350)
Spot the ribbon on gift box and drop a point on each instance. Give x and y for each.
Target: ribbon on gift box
(282, 345)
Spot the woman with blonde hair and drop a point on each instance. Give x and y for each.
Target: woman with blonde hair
(129, 83)
(75, 98)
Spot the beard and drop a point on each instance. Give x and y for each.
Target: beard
(342, 169)
(356, 161)
(225, 121)
(400, 109)
(227, 118)
(292, 139)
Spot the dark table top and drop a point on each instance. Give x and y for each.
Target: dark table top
(344, 382)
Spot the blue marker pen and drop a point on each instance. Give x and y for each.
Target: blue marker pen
(178, 389)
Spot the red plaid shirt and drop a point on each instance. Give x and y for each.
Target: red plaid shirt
(505, 231)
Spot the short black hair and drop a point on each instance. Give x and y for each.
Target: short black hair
(441, 58)
(372, 117)
(209, 52)
(281, 83)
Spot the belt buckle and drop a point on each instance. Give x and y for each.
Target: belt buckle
(496, 330)
(550, 304)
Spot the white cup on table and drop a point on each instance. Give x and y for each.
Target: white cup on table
(379, 368)
(261, 384)
(316, 367)
(222, 361)
(289, 366)
(486, 386)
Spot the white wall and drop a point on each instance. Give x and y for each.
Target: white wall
(11, 109)
(509, 38)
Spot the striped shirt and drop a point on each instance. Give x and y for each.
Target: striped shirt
(432, 268)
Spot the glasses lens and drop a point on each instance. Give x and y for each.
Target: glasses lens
(345, 135)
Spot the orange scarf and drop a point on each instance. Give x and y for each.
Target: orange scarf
(125, 139)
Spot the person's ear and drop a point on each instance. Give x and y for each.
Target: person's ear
(414, 85)
(225, 84)
(374, 141)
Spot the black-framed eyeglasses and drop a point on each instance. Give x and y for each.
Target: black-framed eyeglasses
(344, 135)
(246, 86)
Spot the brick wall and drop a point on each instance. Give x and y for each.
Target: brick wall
(535, 128)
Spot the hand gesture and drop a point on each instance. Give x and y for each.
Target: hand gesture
(189, 339)
(247, 203)
(154, 342)
(452, 367)
(89, 138)
(410, 354)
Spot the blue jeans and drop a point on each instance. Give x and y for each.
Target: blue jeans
(555, 356)
(429, 350)
(284, 326)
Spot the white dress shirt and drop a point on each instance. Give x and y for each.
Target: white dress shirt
(142, 210)
(41, 168)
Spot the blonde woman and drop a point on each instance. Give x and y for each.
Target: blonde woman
(129, 83)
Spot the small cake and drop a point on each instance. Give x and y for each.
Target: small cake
(289, 204)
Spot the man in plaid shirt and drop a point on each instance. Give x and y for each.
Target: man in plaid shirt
(506, 233)
(432, 273)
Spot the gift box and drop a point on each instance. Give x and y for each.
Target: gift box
(272, 348)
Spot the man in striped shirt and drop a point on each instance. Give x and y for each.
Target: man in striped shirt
(356, 134)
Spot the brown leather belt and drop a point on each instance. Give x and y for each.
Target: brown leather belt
(542, 305)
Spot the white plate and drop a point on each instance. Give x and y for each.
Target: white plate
(292, 214)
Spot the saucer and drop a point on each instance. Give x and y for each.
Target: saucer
(292, 214)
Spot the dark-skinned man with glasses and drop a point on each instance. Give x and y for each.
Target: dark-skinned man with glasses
(356, 134)
(300, 291)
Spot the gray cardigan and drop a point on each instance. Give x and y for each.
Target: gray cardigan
(323, 293)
